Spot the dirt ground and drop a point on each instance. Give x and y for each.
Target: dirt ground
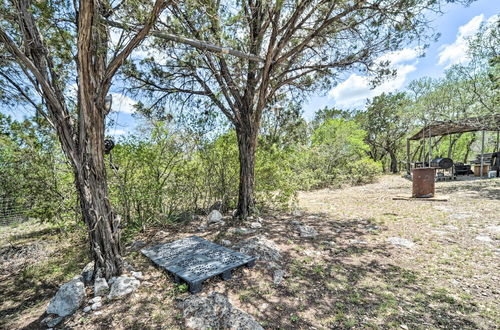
(349, 276)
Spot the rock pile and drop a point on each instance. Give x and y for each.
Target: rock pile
(71, 295)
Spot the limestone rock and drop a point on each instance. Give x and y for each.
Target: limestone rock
(128, 266)
(52, 320)
(101, 287)
(67, 299)
(278, 275)
(96, 306)
(87, 272)
(137, 275)
(123, 285)
(241, 231)
(484, 238)
(306, 231)
(401, 242)
(214, 216)
(493, 229)
(260, 248)
(358, 242)
(95, 300)
(225, 242)
(215, 312)
(255, 225)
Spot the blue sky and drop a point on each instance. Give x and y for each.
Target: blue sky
(352, 91)
(455, 24)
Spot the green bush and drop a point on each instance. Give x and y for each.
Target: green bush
(363, 171)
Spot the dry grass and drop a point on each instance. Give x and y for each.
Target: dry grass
(347, 277)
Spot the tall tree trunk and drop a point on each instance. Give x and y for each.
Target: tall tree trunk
(394, 162)
(102, 222)
(469, 145)
(247, 145)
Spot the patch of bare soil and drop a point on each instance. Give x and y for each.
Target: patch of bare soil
(348, 276)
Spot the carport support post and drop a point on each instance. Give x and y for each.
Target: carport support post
(498, 141)
(430, 146)
(482, 154)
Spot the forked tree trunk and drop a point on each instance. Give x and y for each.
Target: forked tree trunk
(102, 222)
(247, 145)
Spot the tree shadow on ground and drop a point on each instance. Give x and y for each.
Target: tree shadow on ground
(34, 281)
(350, 283)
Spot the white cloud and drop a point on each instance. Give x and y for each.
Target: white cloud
(401, 56)
(117, 132)
(122, 103)
(355, 90)
(456, 52)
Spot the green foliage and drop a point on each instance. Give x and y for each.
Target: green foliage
(387, 122)
(166, 175)
(34, 176)
(335, 146)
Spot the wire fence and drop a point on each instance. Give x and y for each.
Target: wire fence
(14, 209)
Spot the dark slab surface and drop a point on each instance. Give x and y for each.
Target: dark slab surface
(194, 260)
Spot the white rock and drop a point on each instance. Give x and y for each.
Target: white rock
(307, 231)
(401, 242)
(67, 299)
(95, 300)
(243, 231)
(128, 267)
(484, 238)
(225, 242)
(493, 229)
(87, 309)
(214, 216)
(440, 232)
(255, 225)
(261, 248)
(311, 253)
(96, 306)
(87, 272)
(461, 216)
(101, 287)
(278, 275)
(123, 285)
(137, 275)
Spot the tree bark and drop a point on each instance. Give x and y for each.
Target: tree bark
(247, 145)
(469, 145)
(90, 178)
(394, 162)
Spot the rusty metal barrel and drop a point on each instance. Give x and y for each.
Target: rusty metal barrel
(424, 182)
